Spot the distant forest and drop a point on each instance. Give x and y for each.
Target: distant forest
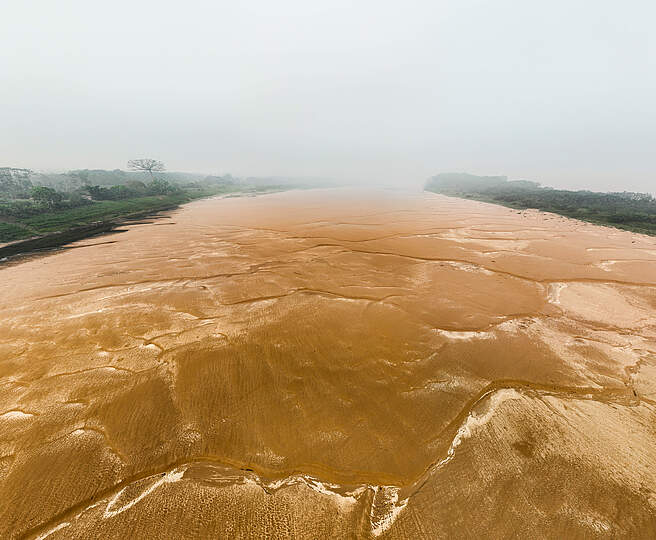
(35, 203)
(625, 210)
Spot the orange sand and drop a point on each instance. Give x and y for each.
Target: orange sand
(332, 363)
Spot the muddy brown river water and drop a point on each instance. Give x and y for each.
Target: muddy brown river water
(332, 363)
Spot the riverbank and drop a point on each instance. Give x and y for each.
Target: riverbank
(635, 212)
(55, 229)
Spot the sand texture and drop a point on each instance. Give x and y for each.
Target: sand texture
(332, 364)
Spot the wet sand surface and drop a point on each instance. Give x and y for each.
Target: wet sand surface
(332, 363)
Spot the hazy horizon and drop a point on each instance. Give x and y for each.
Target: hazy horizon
(378, 92)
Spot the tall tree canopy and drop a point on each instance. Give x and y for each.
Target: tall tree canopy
(147, 165)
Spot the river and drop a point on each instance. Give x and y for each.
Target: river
(332, 363)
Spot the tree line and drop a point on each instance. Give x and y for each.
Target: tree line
(628, 210)
(24, 193)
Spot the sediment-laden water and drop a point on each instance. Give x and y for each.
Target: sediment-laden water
(332, 363)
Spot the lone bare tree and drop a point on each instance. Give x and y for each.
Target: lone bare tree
(146, 165)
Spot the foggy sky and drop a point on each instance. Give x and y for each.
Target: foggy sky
(562, 92)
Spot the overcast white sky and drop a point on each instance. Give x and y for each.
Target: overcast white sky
(559, 91)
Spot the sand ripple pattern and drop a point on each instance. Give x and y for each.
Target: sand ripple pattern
(332, 363)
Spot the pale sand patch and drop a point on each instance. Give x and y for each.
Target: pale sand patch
(167, 478)
(606, 304)
(16, 415)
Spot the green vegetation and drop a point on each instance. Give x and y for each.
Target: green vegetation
(99, 211)
(11, 231)
(625, 210)
(34, 204)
